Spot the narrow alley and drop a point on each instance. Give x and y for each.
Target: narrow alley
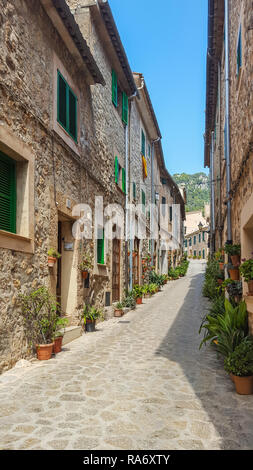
(139, 382)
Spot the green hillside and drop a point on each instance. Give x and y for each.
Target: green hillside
(197, 189)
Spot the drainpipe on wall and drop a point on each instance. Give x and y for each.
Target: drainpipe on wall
(126, 204)
(129, 259)
(212, 197)
(227, 121)
(152, 197)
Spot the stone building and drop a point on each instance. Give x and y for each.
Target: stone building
(229, 119)
(66, 91)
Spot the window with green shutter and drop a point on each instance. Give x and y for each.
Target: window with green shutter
(66, 107)
(123, 180)
(7, 194)
(199, 237)
(116, 170)
(143, 143)
(134, 190)
(100, 247)
(124, 108)
(239, 51)
(194, 240)
(203, 235)
(114, 88)
(143, 200)
(170, 213)
(203, 254)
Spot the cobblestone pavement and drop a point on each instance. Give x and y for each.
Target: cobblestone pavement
(139, 382)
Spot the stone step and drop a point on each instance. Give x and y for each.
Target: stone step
(71, 333)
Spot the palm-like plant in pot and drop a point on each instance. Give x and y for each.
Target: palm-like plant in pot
(239, 364)
(246, 270)
(60, 326)
(90, 316)
(138, 292)
(40, 312)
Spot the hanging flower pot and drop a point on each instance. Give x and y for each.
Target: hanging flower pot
(221, 265)
(234, 274)
(51, 261)
(85, 274)
(53, 255)
(44, 351)
(235, 260)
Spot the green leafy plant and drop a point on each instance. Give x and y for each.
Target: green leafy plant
(60, 326)
(129, 301)
(40, 312)
(212, 273)
(91, 313)
(232, 250)
(227, 330)
(53, 253)
(219, 256)
(119, 306)
(86, 263)
(137, 291)
(246, 270)
(240, 361)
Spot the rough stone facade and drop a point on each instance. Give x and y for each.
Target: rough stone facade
(56, 173)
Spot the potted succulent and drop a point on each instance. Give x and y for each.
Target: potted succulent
(234, 251)
(246, 270)
(118, 310)
(239, 364)
(90, 316)
(53, 255)
(40, 312)
(85, 265)
(60, 326)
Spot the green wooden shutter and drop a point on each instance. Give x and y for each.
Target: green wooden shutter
(114, 89)
(143, 143)
(124, 108)
(72, 114)
(100, 247)
(143, 200)
(123, 180)
(66, 107)
(7, 194)
(116, 170)
(134, 190)
(62, 101)
(203, 235)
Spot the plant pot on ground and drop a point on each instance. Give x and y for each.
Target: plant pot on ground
(40, 312)
(59, 333)
(239, 364)
(90, 316)
(118, 310)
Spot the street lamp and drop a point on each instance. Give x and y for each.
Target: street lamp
(200, 226)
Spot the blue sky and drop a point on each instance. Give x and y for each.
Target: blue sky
(166, 40)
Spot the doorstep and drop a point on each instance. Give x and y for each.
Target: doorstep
(71, 333)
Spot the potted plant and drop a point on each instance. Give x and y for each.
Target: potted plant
(233, 272)
(118, 310)
(220, 259)
(40, 312)
(234, 251)
(60, 326)
(239, 364)
(90, 316)
(53, 255)
(146, 292)
(138, 294)
(220, 278)
(246, 270)
(85, 265)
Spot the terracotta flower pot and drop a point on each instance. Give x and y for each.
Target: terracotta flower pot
(235, 260)
(250, 287)
(221, 265)
(57, 344)
(243, 385)
(118, 312)
(234, 274)
(44, 351)
(85, 274)
(220, 281)
(139, 300)
(51, 261)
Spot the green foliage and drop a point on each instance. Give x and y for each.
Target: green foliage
(60, 326)
(232, 249)
(212, 274)
(129, 301)
(86, 263)
(197, 189)
(240, 361)
(91, 313)
(53, 253)
(228, 329)
(137, 291)
(40, 312)
(179, 271)
(246, 270)
(119, 306)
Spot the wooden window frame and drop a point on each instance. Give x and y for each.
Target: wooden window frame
(68, 91)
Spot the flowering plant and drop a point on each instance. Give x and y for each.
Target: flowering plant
(246, 269)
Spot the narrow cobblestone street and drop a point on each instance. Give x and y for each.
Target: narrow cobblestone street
(139, 382)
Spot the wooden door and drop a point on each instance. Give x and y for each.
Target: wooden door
(136, 262)
(58, 284)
